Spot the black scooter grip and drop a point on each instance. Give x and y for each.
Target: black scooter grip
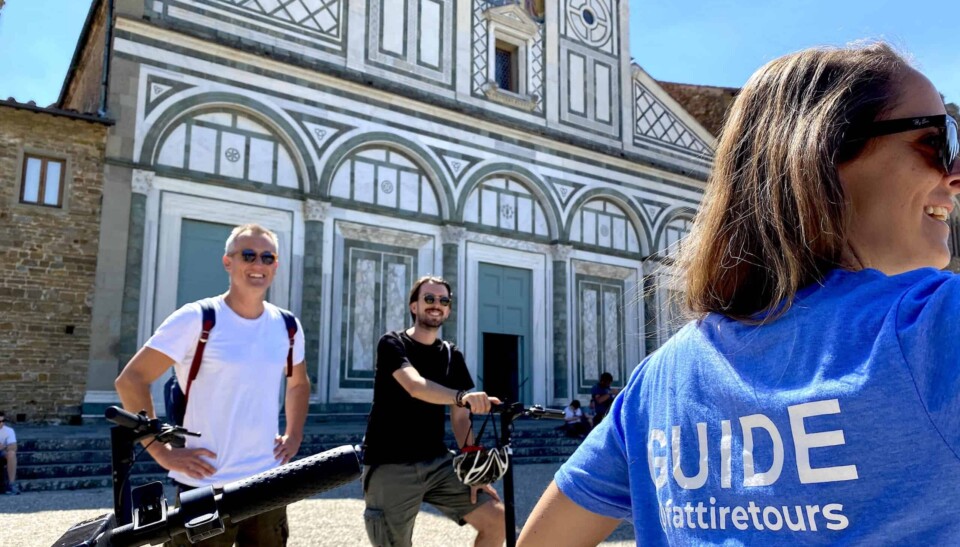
(290, 483)
(126, 419)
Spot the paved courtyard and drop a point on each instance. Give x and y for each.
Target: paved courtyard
(334, 518)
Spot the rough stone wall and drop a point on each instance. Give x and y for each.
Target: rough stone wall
(47, 266)
(83, 95)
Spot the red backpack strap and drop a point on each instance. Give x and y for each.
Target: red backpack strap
(209, 320)
(291, 323)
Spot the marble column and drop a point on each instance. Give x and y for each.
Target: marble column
(453, 237)
(141, 184)
(561, 321)
(311, 310)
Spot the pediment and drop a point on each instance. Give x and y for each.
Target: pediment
(513, 17)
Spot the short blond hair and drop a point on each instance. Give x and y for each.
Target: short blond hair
(253, 229)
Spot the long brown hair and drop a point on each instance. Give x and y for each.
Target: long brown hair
(773, 218)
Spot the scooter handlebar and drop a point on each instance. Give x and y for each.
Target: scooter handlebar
(258, 494)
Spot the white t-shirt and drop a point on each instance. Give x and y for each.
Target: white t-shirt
(7, 437)
(571, 415)
(234, 401)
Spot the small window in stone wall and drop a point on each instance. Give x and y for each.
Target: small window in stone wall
(506, 66)
(42, 181)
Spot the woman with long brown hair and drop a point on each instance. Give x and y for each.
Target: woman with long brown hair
(816, 396)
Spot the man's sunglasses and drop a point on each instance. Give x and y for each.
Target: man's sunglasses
(430, 299)
(250, 256)
(949, 146)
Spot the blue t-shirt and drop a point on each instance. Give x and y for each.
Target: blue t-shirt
(837, 423)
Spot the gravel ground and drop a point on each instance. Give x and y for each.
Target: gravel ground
(334, 518)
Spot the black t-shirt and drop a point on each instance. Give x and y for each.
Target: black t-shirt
(402, 429)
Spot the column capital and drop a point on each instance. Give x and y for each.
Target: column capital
(142, 181)
(562, 252)
(315, 210)
(454, 234)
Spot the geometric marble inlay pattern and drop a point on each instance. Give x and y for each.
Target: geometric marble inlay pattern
(505, 204)
(654, 120)
(319, 15)
(673, 235)
(604, 224)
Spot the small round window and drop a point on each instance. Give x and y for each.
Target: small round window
(588, 17)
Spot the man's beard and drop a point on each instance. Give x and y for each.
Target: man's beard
(428, 322)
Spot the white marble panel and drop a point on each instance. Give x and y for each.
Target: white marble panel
(632, 244)
(394, 25)
(576, 229)
(250, 125)
(525, 214)
(429, 205)
(232, 147)
(604, 238)
(597, 205)
(578, 72)
(171, 153)
(601, 76)
(611, 334)
(203, 142)
(396, 315)
(588, 333)
(619, 233)
(340, 186)
(507, 212)
(379, 154)
(386, 186)
(222, 118)
(286, 171)
(363, 181)
(541, 223)
(362, 315)
(397, 158)
(488, 210)
(589, 227)
(261, 160)
(430, 33)
(471, 209)
(410, 185)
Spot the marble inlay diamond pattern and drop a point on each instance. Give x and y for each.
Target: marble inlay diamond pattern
(654, 120)
(479, 48)
(536, 69)
(320, 15)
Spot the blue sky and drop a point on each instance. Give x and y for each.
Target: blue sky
(710, 42)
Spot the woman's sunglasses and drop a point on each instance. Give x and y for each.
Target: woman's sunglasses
(949, 146)
(430, 299)
(250, 256)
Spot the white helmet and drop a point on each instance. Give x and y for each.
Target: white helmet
(478, 466)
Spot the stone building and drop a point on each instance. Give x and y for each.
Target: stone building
(50, 199)
(510, 146)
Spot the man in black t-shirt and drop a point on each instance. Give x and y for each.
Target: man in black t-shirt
(405, 459)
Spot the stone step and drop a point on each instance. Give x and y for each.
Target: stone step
(78, 483)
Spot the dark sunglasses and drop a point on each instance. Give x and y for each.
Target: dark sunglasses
(949, 145)
(250, 256)
(430, 299)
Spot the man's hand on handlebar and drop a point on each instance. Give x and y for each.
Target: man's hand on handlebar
(479, 402)
(188, 461)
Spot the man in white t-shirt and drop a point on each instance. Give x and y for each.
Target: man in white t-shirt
(234, 399)
(575, 424)
(8, 454)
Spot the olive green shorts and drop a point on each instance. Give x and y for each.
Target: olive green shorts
(393, 493)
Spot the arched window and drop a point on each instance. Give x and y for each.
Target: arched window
(673, 235)
(231, 146)
(505, 203)
(386, 178)
(605, 224)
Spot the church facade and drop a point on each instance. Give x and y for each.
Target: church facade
(511, 147)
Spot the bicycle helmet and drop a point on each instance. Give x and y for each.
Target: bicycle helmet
(479, 466)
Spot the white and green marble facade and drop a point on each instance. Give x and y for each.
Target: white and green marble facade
(366, 134)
